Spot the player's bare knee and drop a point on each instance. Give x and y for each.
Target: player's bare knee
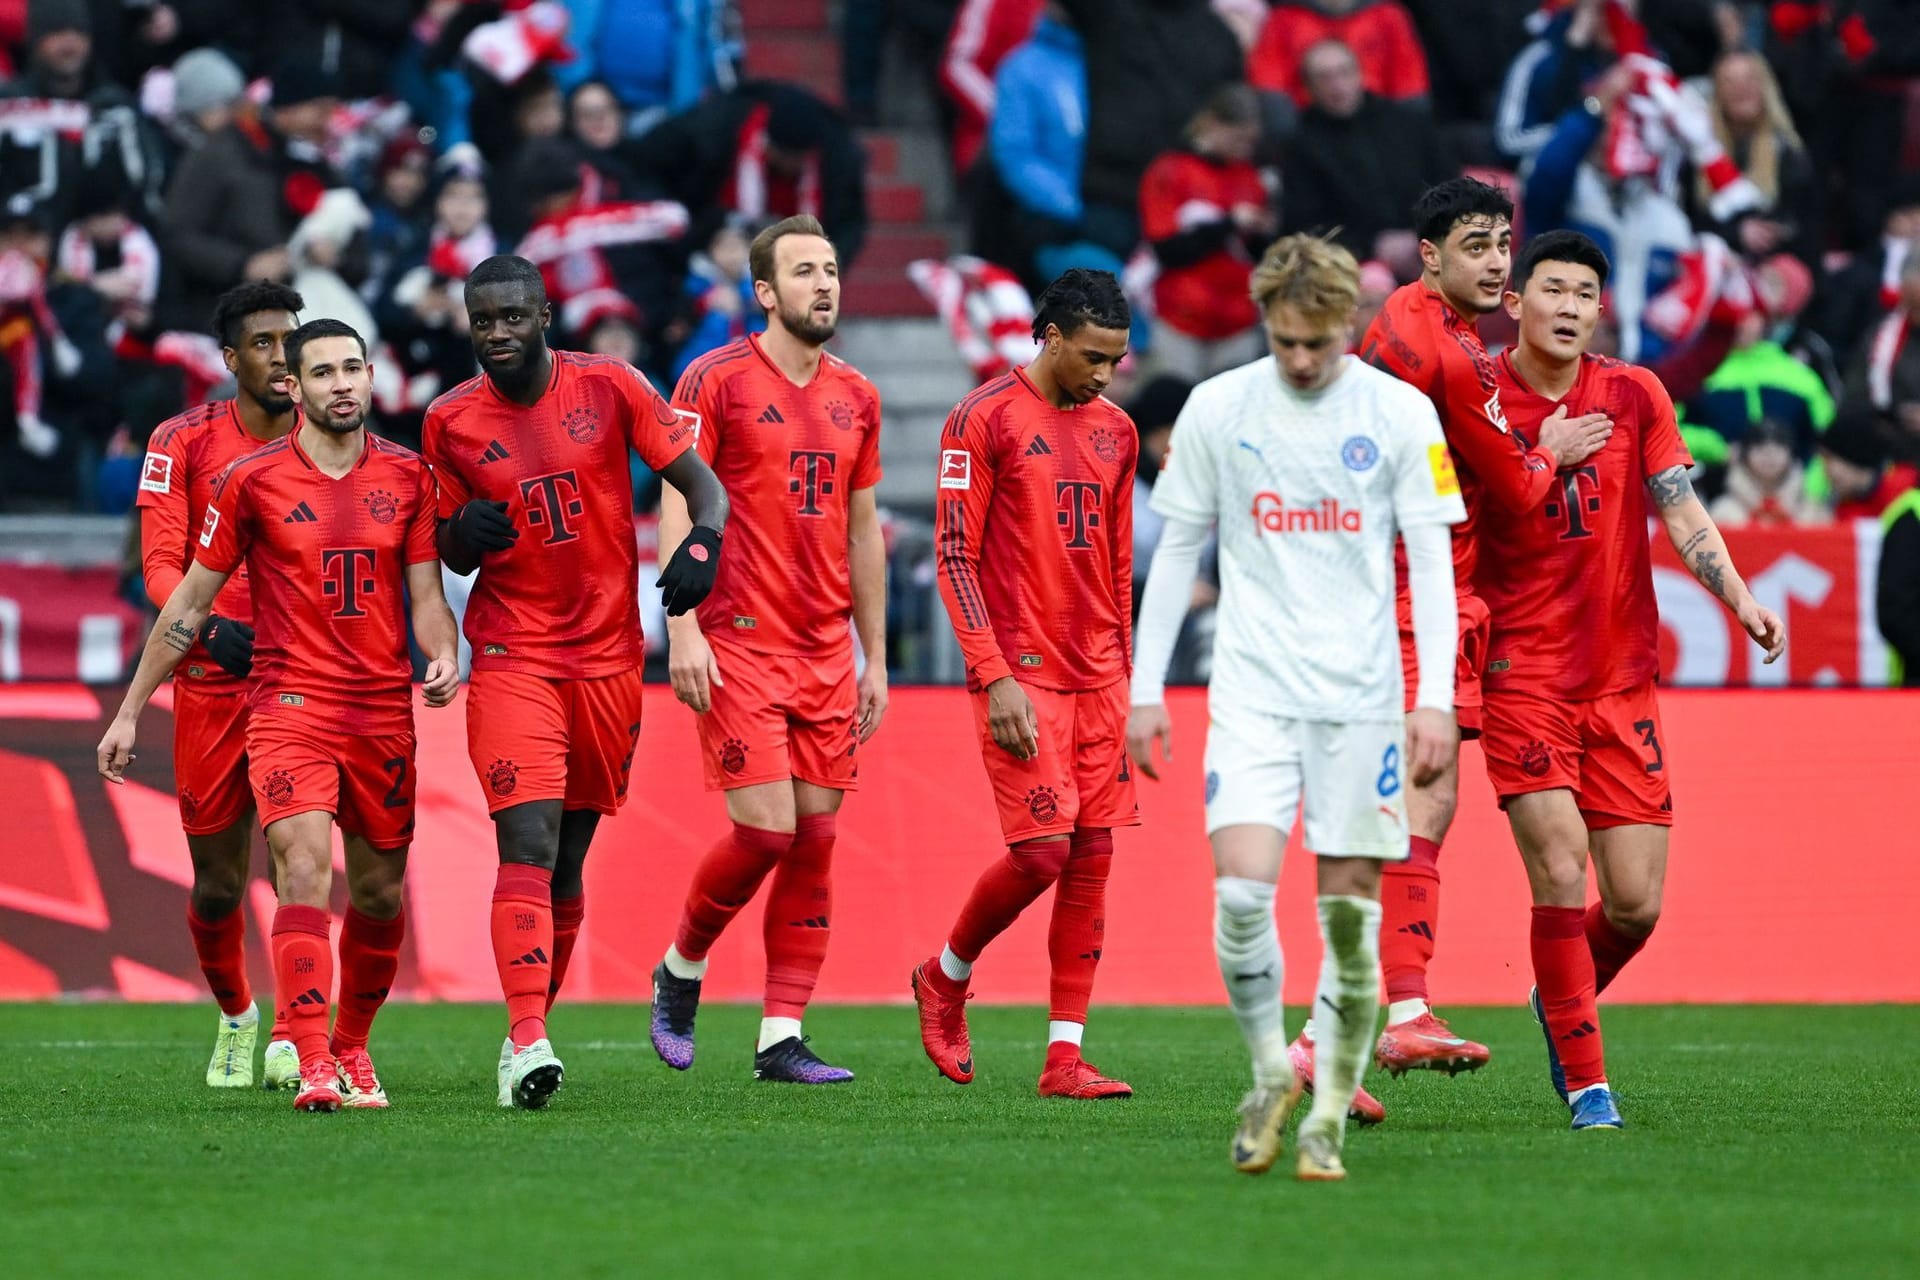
(529, 833)
(306, 877)
(1430, 809)
(1635, 918)
(766, 806)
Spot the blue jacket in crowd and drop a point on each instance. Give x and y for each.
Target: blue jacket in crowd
(1038, 138)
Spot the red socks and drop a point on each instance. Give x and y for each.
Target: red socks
(728, 878)
(1563, 971)
(303, 977)
(523, 946)
(221, 946)
(1004, 890)
(798, 924)
(1079, 924)
(1611, 949)
(568, 913)
(1409, 915)
(369, 957)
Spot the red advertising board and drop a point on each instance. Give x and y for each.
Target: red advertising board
(1791, 848)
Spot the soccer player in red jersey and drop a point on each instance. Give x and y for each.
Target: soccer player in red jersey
(1572, 726)
(335, 527)
(1034, 545)
(185, 457)
(535, 492)
(767, 661)
(1426, 335)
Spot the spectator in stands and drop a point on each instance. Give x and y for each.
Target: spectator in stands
(60, 61)
(401, 204)
(984, 33)
(766, 151)
(1469, 46)
(1751, 121)
(352, 41)
(1869, 286)
(1153, 408)
(1151, 64)
(207, 88)
(658, 57)
(1884, 374)
(1357, 162)
(107, 251)
(1760, 379)
(32, 345)
(1897, 594)
(233, 203)
(512, 124)
(1204, 212)
(1571, 46)
(1380, 33)
(1860, 480)
(1377, 282)
(328, 249)
(597, 122)
(1766, 483)
(718, 296)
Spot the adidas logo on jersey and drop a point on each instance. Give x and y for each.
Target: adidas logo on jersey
(770, 414)
(1039, 447)
(302, 514)
(1272, 515)
(495, 452)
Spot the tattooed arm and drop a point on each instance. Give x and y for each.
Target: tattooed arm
(173, 634)
(1701, 548)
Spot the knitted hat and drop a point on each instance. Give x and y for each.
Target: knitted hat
(204, 79)
(45, 17)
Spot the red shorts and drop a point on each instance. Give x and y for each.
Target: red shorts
(780, 716)
(366, 781)
(1081, 776)
(535, 738)
(210, 756)
(1606, 751)
(1471, 655)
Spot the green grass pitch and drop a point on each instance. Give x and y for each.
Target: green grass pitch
(1762, 1142)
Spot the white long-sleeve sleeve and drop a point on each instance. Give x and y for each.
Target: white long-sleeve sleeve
(1436, 611)
(1163, 607)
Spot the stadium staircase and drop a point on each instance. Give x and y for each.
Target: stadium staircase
(888, 330)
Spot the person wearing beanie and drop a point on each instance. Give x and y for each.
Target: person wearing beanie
(206, 87)
(59, 50)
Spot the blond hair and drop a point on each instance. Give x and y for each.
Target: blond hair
(1774, 133)
(760, 252)
(1312, 274)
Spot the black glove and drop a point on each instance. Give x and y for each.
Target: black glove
(688, 577)
(484, 526)
(230, 643)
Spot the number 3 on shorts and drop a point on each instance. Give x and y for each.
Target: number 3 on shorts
(1388, 783)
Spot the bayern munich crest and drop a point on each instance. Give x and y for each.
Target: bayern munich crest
(1105, 446)
(381, 507)
(582, 425)
(1359, 453)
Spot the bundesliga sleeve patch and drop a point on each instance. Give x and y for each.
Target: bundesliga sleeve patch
(157, 475)
(212, 523)
(689, 421)
(1445, 481)
(956, 469)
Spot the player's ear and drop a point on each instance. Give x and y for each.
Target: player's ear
(1430, 255)
(546, 315)
(232, 358)
(1513, 304)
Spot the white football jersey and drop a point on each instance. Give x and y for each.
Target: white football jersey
(1308, 493)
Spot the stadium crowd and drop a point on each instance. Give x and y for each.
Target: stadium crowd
(1749, 166)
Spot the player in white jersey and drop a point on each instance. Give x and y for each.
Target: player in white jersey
(1308, 463)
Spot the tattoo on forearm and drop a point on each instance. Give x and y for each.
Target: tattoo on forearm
(179, 635)
(1670, 488)
(1711, 569)
(1686, 548)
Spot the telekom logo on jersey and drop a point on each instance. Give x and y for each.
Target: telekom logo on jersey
(1272, 515)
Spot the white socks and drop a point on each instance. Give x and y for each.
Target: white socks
(1247, 945)
(681, 967)
(1070, 1032)
(1405, 1011)
(774, 1030)
(1346, 1007)
(953, 966)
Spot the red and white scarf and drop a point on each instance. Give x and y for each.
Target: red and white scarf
(750, 192)
(75, 258)
(567, 249)
(1883, 356)
(988, 312)
(1658, 114)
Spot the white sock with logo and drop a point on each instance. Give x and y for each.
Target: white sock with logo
(1347, 1004)
(1247, 945)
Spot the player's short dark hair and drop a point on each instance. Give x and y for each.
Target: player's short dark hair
(760, 252)
(243, 300)
(507, 268)
(1559, 246)
(1079, 297)
(325, 327)
(1445, 205)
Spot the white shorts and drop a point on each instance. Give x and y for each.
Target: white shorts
(1353, 774)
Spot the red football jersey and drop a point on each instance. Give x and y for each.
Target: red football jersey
(1571, 582)
(1421, 340)
(563, 601)
(1034, 536)
(185, 458)
(791, 458)
(1205, 299)
(327, 562)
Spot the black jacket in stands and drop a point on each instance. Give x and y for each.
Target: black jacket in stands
(1361, 174)
(1151, 64)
